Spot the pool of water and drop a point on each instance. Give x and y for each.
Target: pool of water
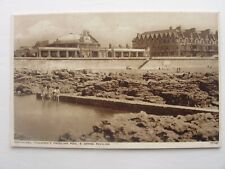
(48, 120)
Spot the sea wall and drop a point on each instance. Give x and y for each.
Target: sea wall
(75, 64)
(153, 64)
(151, 108)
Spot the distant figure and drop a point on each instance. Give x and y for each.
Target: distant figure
(43, 92)
(49, 92)
(56, 93)
(178, 70)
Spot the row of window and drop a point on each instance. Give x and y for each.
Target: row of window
(181, 40)
(90, 54)
(186, 54)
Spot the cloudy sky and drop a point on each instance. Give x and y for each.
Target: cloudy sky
(114, 28)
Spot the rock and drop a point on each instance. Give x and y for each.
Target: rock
(136, 119)
(123, 83)
(23, 89)
(215, 103)
(188, 118)
(97, 129)
(109, 133)
(163, 136)
(132, 92)
(129, 98)
(67, 137)
(106, 122)
(63, 75)
(87, 92)
(107, 78)
(135, 139)
(99, 87)
(141, 124)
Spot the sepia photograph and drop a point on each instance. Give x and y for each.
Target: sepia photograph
(115, 80)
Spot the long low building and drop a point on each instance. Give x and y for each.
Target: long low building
(63, 52)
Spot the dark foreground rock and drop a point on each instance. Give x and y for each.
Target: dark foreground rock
(142, 127)
(67, 137)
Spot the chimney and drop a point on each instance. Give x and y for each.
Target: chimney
(171, 27)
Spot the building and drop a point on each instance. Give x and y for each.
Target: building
(84, 46)
(71, 45)
(23, 51)
(178, 42)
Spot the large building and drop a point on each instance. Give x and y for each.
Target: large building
(178, 42)
(71, 45)
(84, 46)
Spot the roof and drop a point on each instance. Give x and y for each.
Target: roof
(41, 43)
(159, 33)
(68, 38)
(85, 37)
(179, 33)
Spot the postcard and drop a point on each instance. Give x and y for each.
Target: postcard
(112, 80)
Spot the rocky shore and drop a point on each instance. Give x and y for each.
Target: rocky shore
(186, 89)
(142, 127)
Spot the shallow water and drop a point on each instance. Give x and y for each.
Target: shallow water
(36, 120)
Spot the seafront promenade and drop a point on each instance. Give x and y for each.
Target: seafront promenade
(167, 64)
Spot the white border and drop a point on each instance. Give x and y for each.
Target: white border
(97, 145)
(110, 145)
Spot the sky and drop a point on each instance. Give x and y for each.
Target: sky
(114, 28)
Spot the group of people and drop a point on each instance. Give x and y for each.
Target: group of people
(50, 93)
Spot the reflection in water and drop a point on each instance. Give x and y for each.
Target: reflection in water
(46, 121)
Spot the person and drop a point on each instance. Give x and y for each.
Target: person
(49, 92)
(56, 93)
(178, 70)
(43, 92)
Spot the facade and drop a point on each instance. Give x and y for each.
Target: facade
(84, 46)
(68, 52)
(71, 45)
(178, 42)
(163, 43)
